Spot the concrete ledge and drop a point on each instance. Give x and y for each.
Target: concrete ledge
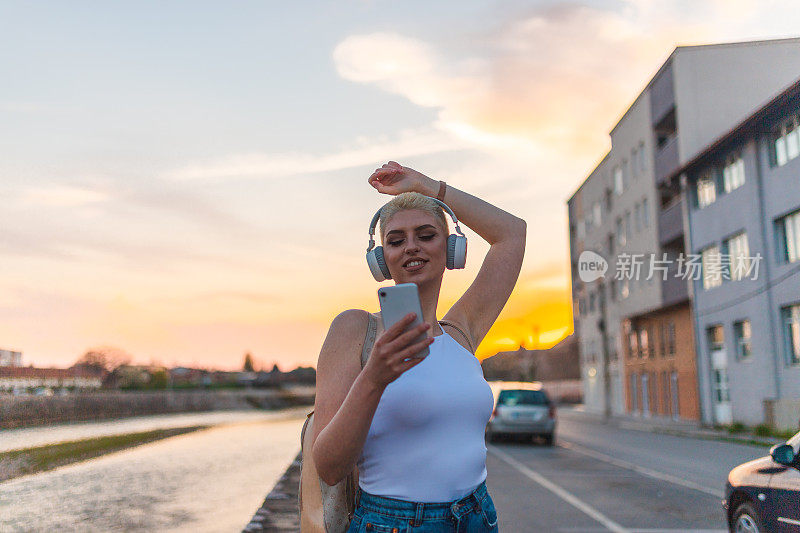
(279, 512)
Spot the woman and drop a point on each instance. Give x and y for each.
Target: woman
(416, 428)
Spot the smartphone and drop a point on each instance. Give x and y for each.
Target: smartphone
(396, 302)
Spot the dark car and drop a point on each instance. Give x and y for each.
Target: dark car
(764, 495)
(523, 409)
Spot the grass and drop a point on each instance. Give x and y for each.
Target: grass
(17, 463)
(760, 430)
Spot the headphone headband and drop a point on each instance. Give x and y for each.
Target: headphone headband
(378, 214)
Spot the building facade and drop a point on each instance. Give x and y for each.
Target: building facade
(630, 211)
(743, 199)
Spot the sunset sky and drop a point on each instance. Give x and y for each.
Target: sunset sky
(187, 181)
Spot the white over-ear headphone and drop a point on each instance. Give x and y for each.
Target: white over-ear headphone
(456, 248)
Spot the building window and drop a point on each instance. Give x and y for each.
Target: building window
(671, 338)
(621, 238)
(787, 141)
(618, 180)
(712, 267)
(625, 288)
(633, 344)
(634, 394)
(591, 302)
(663, 344)
(733, 173)
(706, 191)
(628, 231)
(737, 249)
(741, 334)
(642, 163)
(626, 174)
(675, 398)
(789, 236)
(645, 214)
(597, 213)
(790, 316)
(644, 344)
(637, 217)
(716, 338)
(645, 394)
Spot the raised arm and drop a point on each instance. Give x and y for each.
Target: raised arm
(481, 303)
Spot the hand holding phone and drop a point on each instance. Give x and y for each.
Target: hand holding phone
(392, 353)
(398, 301)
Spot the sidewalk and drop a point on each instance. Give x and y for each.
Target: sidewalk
(659, 424)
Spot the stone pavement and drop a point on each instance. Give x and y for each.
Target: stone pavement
(279, 512)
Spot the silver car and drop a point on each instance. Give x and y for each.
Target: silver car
(523, 410)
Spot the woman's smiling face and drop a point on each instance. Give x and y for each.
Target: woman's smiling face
(413, 234)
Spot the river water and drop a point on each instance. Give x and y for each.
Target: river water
(209, 480)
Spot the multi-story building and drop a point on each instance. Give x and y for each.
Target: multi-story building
(637, 334)
(10, 358)
(743, 198)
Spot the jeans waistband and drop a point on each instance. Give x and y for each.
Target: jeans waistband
(421, 510)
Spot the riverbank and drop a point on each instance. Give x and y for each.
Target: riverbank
(32, 411)
(210, 480)
(15, 463)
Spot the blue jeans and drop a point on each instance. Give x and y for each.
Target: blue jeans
(474, 512)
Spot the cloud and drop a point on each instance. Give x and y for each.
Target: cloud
(58, 195)
(544, 82)
(363, 151)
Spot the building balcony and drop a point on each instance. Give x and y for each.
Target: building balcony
(666, 159)
(670, 222)
(674, 289)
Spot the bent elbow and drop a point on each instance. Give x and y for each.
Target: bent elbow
(322, 469)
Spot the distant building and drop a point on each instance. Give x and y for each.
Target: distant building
(182, 375)
(559, 362)
(15, 378)
(10, 358)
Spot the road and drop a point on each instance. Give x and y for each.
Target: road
(603, 478)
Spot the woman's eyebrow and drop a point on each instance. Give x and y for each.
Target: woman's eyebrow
(415, 229)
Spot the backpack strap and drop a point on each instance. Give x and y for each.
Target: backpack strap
(369, 339)
(460, 330)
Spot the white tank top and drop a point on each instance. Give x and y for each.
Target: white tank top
(426, 441)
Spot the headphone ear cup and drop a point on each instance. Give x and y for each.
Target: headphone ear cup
(377, 264)
(379, 259)
(451, 250)
(456, 251)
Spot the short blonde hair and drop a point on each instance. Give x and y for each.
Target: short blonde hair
(412, 200)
